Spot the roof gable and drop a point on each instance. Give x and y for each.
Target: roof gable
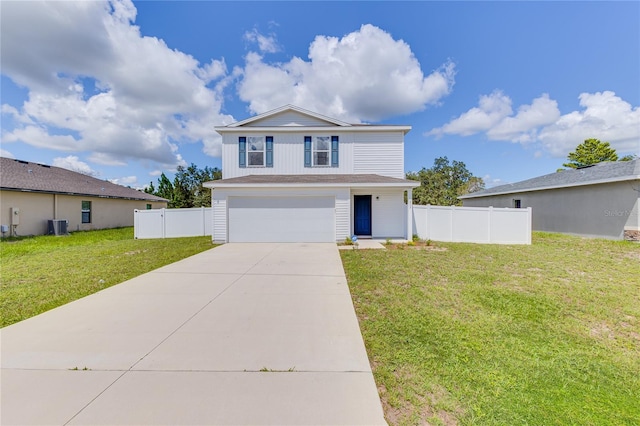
(289, 116)
(17, 175)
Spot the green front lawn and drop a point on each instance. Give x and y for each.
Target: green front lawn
(41, 273)
(546, 334)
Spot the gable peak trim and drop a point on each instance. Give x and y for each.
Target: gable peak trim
(286, 108)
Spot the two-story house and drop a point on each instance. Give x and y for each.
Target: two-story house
(292, 175)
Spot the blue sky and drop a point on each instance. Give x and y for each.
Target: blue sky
(125, 91)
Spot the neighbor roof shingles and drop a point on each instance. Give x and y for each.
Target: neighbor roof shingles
(25, 176)
(601, 172)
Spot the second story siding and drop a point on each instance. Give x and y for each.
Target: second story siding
(274, 143)
(379, 153)
(288, 156)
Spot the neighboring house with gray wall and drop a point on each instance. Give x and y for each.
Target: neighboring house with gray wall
(31, 194)
(595, 201)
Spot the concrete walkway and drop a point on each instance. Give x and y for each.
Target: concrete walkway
(240, 334)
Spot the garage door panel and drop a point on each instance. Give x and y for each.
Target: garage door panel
(282, 219)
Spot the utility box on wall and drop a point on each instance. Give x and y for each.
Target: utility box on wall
(15, 216)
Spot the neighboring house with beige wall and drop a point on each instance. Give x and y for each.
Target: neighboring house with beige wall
(596, 201)
(31, 194)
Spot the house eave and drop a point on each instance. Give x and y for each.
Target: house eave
(315, 129)
(214, 185)
(546, 188)
(83, 194)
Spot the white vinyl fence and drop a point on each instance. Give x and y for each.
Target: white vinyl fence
(172, 223)
(473, 224)
(456, 224)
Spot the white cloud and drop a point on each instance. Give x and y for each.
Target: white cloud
(126, 180)
(267, 44)
(99, 86)
(605, 116)
(74, 164)
(490, 181)
(365, 75)
(522, 127)
(155, 173)
(39, 137)
(491, 110)
(6, 154)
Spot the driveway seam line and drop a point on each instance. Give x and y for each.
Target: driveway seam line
(162, 341)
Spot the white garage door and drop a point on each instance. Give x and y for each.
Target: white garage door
(282, 219)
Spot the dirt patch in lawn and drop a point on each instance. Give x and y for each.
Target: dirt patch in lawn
(415, 245)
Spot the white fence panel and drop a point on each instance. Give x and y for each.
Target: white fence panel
(510, 228)
(172, 223)
(148, 223)
(473, 224)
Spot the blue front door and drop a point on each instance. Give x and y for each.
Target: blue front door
(362, 214)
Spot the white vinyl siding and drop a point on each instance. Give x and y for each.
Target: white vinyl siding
(343, 215)
(388, 212)
(219, 204)
(289, 118)
(288, 156)
(379, 153)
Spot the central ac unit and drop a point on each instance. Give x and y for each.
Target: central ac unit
(58, 227)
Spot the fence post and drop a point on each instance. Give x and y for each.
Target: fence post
(489, 224)
(136, 226)
(410, 214)
(452, 215)
(426, 225)
(164, 222)
(529, 224)
(204, 227)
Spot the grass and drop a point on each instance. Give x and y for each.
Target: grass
(41, 273)
(547, 334)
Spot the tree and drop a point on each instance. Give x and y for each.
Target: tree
(591, 151)
(165, 188)
(443, 183)
(150, 189)
(187, 188)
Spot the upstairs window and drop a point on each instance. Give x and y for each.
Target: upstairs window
(86, 212)
(255, 151)
(321, 151)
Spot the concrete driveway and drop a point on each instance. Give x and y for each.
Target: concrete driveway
(240, 334)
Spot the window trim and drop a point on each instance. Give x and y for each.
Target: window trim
(244, 152)
(311, 151)
(84, 210)
(263, 151)
(314, 151)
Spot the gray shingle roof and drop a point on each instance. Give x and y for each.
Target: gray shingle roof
(19, 175)
(317, 179)
(598, 173)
